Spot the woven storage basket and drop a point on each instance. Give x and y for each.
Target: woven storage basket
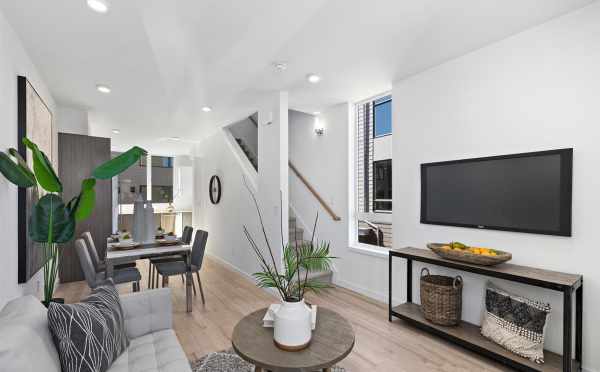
(441, 298)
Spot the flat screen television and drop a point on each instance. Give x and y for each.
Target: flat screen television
(529, 192)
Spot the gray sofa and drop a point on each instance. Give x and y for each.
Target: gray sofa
(26, 343)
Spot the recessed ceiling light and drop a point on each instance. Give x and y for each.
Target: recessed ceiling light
(100, 6)
(317, 113)
(175, 138)
(206, 109)
(116, 131)
(313, 78)
(103, 88)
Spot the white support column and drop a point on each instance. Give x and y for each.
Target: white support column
(149, 177)
(273, 179)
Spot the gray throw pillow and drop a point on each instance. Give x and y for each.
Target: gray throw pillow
(516, 323)
(89, 335)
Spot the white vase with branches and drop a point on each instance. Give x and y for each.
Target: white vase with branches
(293, 324)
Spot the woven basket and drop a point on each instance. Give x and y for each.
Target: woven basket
(441, 298)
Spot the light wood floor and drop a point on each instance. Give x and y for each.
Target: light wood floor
(380, 345)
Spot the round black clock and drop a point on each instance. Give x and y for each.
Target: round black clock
(214, 189)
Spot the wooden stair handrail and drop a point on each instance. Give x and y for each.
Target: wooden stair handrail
(314, 192)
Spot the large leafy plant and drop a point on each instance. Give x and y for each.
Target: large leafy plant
(53, 221)
(299, 260)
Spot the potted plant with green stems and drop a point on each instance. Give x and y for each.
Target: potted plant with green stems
(293, 320)
(52, 221)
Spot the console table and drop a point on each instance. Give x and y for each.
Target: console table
(469, 336)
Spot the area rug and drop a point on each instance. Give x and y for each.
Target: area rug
(228, 361)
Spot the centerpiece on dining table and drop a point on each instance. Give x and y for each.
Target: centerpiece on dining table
(292, 319)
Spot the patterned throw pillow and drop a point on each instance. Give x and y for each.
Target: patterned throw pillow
(89, 335)
(516, 323)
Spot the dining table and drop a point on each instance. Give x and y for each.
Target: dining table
(115, 256)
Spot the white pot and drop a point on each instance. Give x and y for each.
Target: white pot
(292, 326)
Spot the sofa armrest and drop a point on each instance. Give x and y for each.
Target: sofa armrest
(146, 312)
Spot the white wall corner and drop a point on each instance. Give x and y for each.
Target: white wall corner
(273, 169)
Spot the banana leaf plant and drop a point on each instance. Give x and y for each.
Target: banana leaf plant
(53, 221)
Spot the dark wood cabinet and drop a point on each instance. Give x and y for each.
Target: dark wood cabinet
(78, 155)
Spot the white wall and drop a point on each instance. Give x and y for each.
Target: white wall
(14, 61)
(534, 91)
(273, 189)
(71, 120)
(324, 162)
(225, 221)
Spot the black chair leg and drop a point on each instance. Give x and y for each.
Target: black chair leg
(200, 287)
(149, 274)
(193, 285)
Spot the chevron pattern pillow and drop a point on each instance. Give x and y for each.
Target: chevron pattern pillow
(89, 335)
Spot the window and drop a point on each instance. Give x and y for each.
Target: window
(373, 171)
(382, 116)
(158, 161)
(373, 119)
(383, 186)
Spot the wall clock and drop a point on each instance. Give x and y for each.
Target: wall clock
(214, 189)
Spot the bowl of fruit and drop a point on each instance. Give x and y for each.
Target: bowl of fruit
(457, 251)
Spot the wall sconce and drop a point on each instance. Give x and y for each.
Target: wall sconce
(319, 129)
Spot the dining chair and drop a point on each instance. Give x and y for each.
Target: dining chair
(167, 269)
(186, 238)
(94, 278)
(99, 264)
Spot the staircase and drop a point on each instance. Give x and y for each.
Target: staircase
(296, 236)
(251, 157)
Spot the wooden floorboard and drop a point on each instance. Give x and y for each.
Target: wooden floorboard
(381, 346)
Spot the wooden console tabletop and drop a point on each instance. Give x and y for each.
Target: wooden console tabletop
(468, 335)
(516, 273)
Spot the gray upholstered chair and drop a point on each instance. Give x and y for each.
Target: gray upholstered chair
(167, 269)
(94, 278)
(186, 238)
(99, 264)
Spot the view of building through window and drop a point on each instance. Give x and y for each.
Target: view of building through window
(373, 171)
(134, 182)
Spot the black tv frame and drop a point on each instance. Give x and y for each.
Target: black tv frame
(566, 191)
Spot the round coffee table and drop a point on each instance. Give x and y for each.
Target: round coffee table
(332, 340)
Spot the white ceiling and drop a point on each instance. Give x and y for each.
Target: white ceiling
(164, 60)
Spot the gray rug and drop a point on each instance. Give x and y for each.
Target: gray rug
(228, 361)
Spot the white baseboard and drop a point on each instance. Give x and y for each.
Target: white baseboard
(379, 296)
(246, 275)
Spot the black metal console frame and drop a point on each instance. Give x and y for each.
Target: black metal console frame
(569, 365)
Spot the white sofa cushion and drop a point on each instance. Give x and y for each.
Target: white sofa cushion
(154, 352)
(25, 341)
(147, 311)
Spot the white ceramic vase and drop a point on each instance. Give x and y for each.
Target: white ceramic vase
(138, 219)
(149, 226)
(292, 326)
